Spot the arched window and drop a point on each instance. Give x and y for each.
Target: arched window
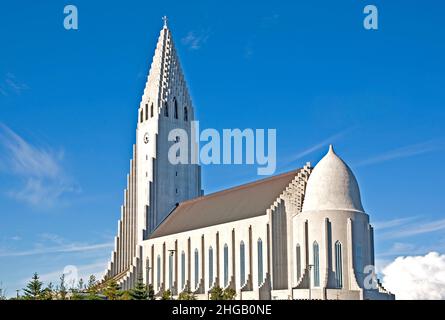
(158, 272)
(151, 110)
(338, 265)
(260, 262)
(298, 261)
(182, 270)
(186, 114)
(196, 268)
(242, 257)
(176, 109)
(210, 267)
(170, 271)
(146, 111)
(316, 257)
(166, 109)
(226, 265)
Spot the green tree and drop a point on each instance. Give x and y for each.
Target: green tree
(140, 291)
(112, 290)
(217, 293)
(33, 290)
(92, 289)
(2, 293)
(167, 295)
(62, 288)
(229, 294)
(187, 295)
(125, 295)
(48, 292)
(150, 292)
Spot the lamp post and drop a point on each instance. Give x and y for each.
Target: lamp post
(310, 272)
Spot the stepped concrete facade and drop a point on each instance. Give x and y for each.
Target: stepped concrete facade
(298, 235)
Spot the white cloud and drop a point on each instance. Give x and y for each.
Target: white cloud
(416, 277)
(194, 40)
(11, 84)
(415, 229)
(403, 152)
(40, 170)
(380, 225)
(316, 146)
(64, 248)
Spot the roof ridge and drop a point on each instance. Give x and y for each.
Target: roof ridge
(241, 186)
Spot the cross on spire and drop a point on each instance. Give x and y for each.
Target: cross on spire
(165, 19)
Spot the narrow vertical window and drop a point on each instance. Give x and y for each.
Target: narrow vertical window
(226, 265)
(176, 109)
(338, 265)
(242, 257)
(186, 115)
(141, 116)
(358, 259)
(170, 271)
(151, 110)
(158, 272)
(146, 111)
(182, 269)
(260, 262)
(298, 260)
(316, 257)
(196, 268)
(166, 109)
(210, 267)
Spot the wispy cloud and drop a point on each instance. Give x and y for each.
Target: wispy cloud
(415, 229)
(317, 146)
(10, 84)
(64, 248)
(403, 152)
(40, 170)
(194, 40)
(380, 225)
(270, 20)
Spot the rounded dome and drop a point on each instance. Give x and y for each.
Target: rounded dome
(332, 186)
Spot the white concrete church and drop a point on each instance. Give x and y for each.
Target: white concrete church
(299, 235)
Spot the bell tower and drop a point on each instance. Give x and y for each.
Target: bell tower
(166, 105)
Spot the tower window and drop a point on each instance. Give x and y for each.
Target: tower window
(151, 110)
(141, 117)
(316, 257)
(242, 256)
(210, 267)
(146, 111)
(186, 116)
(226, 265)
(176, 109)
(196, 268)
(260, 262)
(338, 265)
(298, 258)
(182, 269)
(166, 109)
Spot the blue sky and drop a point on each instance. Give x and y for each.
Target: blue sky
(69, 99)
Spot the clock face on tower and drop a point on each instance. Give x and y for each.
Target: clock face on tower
(146, 138)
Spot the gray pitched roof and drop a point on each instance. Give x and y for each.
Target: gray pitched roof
(241, 202)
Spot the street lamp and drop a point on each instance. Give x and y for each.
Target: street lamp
(310, 272)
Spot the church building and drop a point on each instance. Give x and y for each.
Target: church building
(303, 234)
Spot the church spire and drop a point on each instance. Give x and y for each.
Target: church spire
(165, 19)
